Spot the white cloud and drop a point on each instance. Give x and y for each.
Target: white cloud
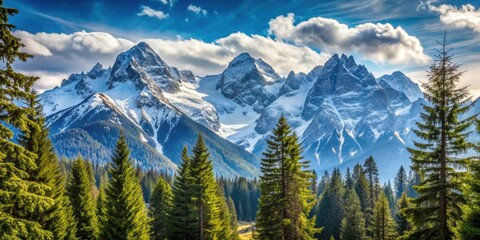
(197, 10)
(464, 17)
(147, 11)
(211, 58)
(168, 2)
(378, 42)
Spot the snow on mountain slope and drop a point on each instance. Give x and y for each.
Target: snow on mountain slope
(340, 112)
(152, 103)
(400, 82)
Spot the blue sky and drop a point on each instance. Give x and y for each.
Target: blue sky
(203, 36)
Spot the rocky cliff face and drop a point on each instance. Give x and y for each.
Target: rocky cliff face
(340, 111)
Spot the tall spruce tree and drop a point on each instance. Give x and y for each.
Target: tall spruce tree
(233, 219)
(100, 205)
(361, 186)
(227, 231)
(160, 204)
(126, 214)
(400, 183)
(353, 222)
(384, 227)
(387, 190)
(442, 134)
(470, 228)
(371, 173)
(22, 199)
(182, 218)
(402, 222)
(286, 198)
(47, 172)
(331, 207)
(79, 190)
(205, 196)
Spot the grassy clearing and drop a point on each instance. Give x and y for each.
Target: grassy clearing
(245, 230)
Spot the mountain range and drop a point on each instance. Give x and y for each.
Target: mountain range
(340, 111)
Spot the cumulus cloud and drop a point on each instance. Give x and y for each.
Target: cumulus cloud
(211, 58)
(464, 17)
(58, 55)
(377, 42)
(168, 2)
(147, 11)
(197, 10)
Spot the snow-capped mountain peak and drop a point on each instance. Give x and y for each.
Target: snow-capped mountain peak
(398, 81)
(141, 65)
(249, 81)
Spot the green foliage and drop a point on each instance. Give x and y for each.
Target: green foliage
(353, 222)
(160, 204)
(233, 219)
(437, 155)
(384, 227)
(205, 197)
(79, 190)
(400, 218)
(470, 228)
(47, 172)
(182, 217)
(331, 207)
(286, 198)
(22, 199)
(400, 183)
(126, 214)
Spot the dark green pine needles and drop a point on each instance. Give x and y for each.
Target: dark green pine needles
(182, 217)
(160, 204)
(199, 209)
(286, 197)
(79, 190)
(437, 156)
(57, 219)
(126, 214)
(22, 199)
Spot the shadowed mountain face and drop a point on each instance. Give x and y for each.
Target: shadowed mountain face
(340, 111)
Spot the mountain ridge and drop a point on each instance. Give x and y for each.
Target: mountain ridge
(340, 111)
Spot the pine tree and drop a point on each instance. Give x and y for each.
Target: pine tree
(384, 227)
(205, 195)
(182, 217)
(100, 208)
(400, 183)
(371, 173)
(233, 219)
(21, 198)
(443, 132)
(228, 231)
(348, 179)
(353, 222)
(79, 190)
(401, 219)
(47, 172)
(160, 204)
(126, 214)
(387, 190)
(470, 228)
(361, 187)
(101, 201)
(331, 207)
(286, 198)
(323, 183)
